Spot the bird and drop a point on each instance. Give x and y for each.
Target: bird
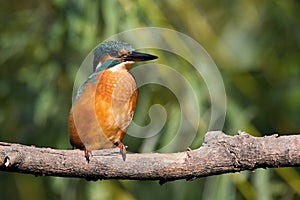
(104, 104)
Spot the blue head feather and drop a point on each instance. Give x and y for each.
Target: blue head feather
(109, 48)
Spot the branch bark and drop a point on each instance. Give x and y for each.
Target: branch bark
(219, 153)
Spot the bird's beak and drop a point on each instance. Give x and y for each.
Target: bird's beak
(138, 57)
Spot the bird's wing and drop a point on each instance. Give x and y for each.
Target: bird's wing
(92, 79)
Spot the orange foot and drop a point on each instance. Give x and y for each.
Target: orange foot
(122, 149)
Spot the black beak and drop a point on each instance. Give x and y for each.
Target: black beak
(138, 57)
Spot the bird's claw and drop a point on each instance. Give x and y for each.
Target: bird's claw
(87, 155)
(122, 150)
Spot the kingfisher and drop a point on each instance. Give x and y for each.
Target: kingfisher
(104, 104)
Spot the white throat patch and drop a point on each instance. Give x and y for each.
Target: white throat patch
(123, 65)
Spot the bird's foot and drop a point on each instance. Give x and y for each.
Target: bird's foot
(122, 149)
(87, 155)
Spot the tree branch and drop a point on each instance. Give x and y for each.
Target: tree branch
(219, 154)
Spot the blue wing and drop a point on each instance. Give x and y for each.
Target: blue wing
(92, 79)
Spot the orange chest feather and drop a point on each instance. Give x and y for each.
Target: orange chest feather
(101, 115)
(115, 101)
(115, 87)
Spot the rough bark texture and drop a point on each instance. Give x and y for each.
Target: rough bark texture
(220, 153)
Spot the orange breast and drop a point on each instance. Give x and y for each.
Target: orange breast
(101, 116)
(115, 101)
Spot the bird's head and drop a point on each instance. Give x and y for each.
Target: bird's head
(111, 53)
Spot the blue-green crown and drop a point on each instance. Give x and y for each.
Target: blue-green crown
(110, 48)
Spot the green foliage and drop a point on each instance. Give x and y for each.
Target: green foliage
(255, 45)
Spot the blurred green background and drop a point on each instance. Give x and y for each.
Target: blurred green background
(255, 44)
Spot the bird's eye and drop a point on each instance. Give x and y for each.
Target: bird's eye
(125, 56)
(123, 53)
